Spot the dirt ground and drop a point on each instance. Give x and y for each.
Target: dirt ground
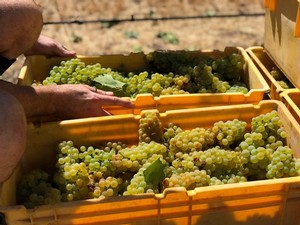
(97, 38)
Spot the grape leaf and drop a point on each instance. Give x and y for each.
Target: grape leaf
(107, 83)
(155, 172)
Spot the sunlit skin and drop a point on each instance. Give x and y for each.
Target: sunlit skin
(21, 24)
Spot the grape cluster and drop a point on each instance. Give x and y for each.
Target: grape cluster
(189, 179)
(143, 151)
(74, 71)
(36, 188)
(238, 88)
(166, 73)
(230, 67)
(171, 61)
(150, 128)
(206, 81)
(282, 164)
(227, 152)
(170, 131)
(138, 184)
(196, 139)
(229, 132)
(267, 134)
(214, 161)
(281, 78)
(82, 172)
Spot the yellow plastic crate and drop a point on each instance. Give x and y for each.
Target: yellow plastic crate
(36, 68)
(281, 37)
(264, 63)
(291, 99)
(272, 202)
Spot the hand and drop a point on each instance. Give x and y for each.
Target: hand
(80, 101)
(49, 47)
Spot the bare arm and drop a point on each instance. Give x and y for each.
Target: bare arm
(71, 101)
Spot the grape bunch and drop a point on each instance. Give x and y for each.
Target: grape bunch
(280, 78)
(80, 171)
(171, 61)
(282, 163)
(259, 146)
(196, 139)
(229, 132)
(229, 151)
(150, 127)
(138, 184)
(230, 67)
(189, 179)
(37, 188)
(74, 71)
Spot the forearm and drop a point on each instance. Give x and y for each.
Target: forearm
(35, 100)
(65, 101)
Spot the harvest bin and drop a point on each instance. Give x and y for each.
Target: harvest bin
(265, 64)
(271, 202)
(282, 36)
(36, 68)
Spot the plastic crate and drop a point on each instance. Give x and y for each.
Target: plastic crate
(36, 68)
(281, 37)
(265, 64)
(272, 202)
(291, 99)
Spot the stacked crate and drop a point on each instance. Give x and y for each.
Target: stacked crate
(282, 40)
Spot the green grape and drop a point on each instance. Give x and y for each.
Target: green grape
(237, 89)
(229, 132)
(227, 179)
(189, 180)
(169, 61)
(191, 140)
(230, 67)
(285, 84)
(150, 128)
(104, 187)
(282, 164)
(138, 184)
(277, 74)
(170, 132)
(36, 188)
(267, 125)
(143, 151)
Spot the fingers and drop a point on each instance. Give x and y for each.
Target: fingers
(108, 98)
(64, 52)
(104, 92)
(115, 101)
(96, 90)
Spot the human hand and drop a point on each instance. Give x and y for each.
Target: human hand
(49, 47)
(81, 101)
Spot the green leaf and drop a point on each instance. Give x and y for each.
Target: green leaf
(107, 83)
(131, 34)
(155, 172)
(168, 37)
